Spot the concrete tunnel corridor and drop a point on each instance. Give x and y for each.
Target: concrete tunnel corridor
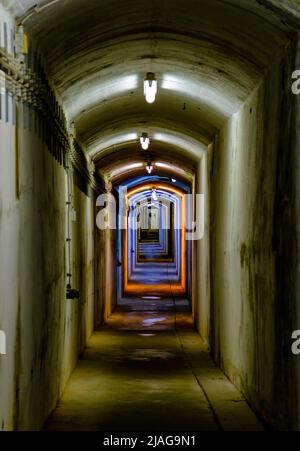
(149, 215)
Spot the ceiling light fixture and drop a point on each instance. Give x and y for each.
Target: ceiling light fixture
(154, 194)
(145, 141)
(150, 87)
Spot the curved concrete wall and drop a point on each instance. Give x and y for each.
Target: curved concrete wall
(45, 332)
(251, 335)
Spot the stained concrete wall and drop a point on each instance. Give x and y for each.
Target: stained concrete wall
(286, 220)
(202, 285)
(9, 274)
(109, 272)
(293, 296)
(45, 332)
(83, 237)
(248, 328)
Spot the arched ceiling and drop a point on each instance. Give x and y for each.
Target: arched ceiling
(132, 160)
(124, 133)
(137, 181)
(208, 56)
(144, 193)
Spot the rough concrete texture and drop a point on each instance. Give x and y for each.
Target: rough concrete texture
(84, 234)
(247, 333)
(45, 332)
(150, 380)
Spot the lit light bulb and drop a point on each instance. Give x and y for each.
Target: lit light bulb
(154, 195)
(174, 180)
(149, 168)
(150, 87)
(145, 141)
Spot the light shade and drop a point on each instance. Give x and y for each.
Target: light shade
(154, 194)
(145, 141)
(150, 87)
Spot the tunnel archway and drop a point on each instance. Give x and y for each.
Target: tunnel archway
(212, 102)
(175, 258)
(223, 126)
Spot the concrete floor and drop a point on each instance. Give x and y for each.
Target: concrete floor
(154, 377)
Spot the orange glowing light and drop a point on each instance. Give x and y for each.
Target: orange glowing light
(179, 288)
